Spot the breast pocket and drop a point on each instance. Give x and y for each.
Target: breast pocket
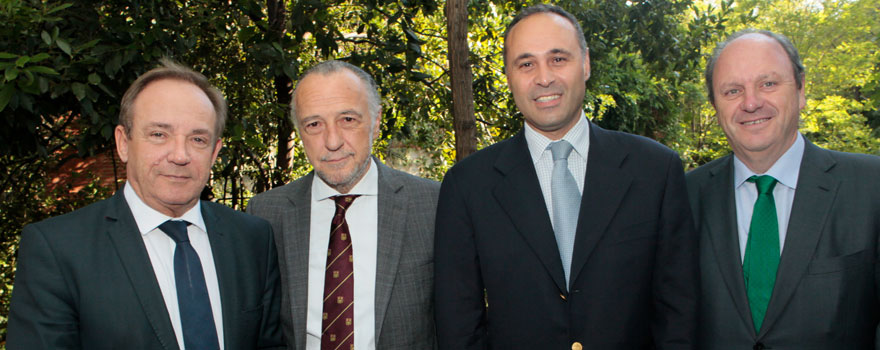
(634, 233)
(840, 263)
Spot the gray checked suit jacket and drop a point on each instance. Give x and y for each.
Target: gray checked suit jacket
(405, 257)
(827, 292)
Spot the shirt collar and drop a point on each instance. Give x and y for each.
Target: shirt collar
(148, 219)
(367, 186)
(785, 170)
(578, 137)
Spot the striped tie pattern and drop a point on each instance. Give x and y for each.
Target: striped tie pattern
(338, 316)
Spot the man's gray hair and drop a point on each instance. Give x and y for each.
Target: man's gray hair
(545, 8)
(169, 69)
(374, 101)
(790, 50)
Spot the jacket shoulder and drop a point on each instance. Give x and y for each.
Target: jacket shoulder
(81, 220)
(413, 180)
(278, 194)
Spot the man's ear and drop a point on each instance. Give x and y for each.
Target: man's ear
(121, 143)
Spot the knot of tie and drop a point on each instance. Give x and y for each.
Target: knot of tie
(765, 183)
(343, 202)
(176, 229)
(560, 149)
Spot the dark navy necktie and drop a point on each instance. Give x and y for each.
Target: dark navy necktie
(196, 318)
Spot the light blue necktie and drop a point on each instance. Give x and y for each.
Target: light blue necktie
(566, 200)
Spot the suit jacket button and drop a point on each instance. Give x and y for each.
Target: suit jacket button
(758, 346)
(577, 346)
(562, 296)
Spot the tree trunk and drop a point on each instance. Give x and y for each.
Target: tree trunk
(282, 84)
(463, 120)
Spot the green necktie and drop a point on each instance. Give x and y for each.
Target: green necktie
(762, 250)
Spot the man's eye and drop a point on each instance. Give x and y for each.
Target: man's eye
(769, 84)
(731, 92)
(559, 59)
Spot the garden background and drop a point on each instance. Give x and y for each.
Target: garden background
(65, 65)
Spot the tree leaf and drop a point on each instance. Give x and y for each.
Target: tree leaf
(39, 57)
(5, 95)
(94, 79)
(41, 70)
(21, 61)
(79, 90)
(11, 73)
(59, 8)
(64, 46)
(7, 55)
(46, 37)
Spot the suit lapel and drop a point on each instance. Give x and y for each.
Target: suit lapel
(604, 188)
(391, 226)
(223, 251)
(296, 226)
(814, 195)
(123, 232)
(718, 204)
(519, 195)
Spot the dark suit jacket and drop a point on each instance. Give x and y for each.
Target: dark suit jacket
(85, 281)
(404, 261)
(633, 273)
(826, 293)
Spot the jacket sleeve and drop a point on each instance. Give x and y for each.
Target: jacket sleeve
(42, 313)
(458, 285)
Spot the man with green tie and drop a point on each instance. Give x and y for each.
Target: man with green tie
(788, 230)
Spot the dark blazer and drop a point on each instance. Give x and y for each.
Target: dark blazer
(633, 273)
(85, 281)
(404, 261)
(826, 293)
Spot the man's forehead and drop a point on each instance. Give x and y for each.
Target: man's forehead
(539, 34)
(753, 54)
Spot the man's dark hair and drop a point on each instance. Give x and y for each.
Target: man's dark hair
(790, 50)
(545, 8)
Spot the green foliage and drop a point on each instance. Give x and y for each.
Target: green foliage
(836, 122)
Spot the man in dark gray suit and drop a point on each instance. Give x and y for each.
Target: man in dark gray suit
(152, 267)
(383, 221)
(789, 231)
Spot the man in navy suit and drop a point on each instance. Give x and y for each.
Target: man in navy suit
(565, 235)
(109, 276)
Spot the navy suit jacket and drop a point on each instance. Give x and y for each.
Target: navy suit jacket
(499, 281)
(84, 281)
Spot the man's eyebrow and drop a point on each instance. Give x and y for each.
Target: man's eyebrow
(350, 112)
(159, 125)
(524, 56)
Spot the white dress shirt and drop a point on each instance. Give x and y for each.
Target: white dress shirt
(160, 248)
(539, 148)
(785, 171)
(362, 218)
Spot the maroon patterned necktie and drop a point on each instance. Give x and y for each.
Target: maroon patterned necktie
(338, 316)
